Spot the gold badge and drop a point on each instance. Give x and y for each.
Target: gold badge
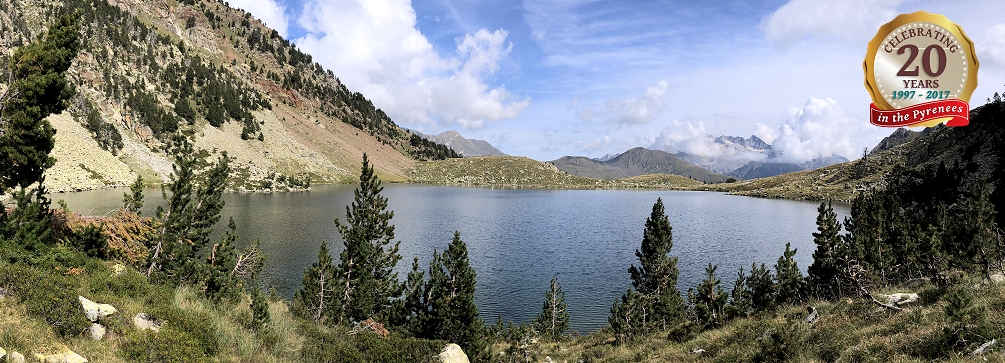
(920, 69)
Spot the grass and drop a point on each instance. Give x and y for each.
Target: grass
(846, 331)
(521, 172)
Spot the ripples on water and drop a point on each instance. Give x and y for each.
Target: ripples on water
(518, 239)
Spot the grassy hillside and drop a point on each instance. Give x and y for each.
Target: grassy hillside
(149, 70)
(635, 162)
(521, 172)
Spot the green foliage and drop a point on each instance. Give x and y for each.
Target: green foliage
(316, 298)
(968, 324)
(336, 345)
(761, 288)
(628, 316)
(554, 318)
(825, 271)
(740, 301)
(188, 221)
(190, 22)
(789, 282)
(429, 150)
(188, 336)
(708, 302)
(37, 88)
(259, 309)
(91, 241)
(27, 226)
(133, 201)
(656, 275)
(220, 264)
(104, 133)
(48, 295)
(448, 311)
(365, 272)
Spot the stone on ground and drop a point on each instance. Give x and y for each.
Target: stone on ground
(65, 357)
(96, 311)
(96, 331)
(143, 321)
(453, 353)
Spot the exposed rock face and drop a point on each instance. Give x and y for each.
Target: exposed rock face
(143, 321)
(96, 331)
(94, 310)
(453, 353)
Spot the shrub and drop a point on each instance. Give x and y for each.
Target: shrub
(48, 296)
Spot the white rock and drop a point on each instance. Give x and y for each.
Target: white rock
(453, 353)
(96, 331)
(119, 269)
(2, 353)
(94, 310)
(698, 351)
(142, 321)
(15, 357)
(65, 357)
(812, 316)
(901, 299)
(983, 348)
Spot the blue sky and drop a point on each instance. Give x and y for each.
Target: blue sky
(545, 79)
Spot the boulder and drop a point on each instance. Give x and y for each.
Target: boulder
(812, 315)
(3, 294)
(94, 310)
(96, 331)
(143, 321)
(901, 299)
(453, 353)
(3, 353)
(15, 357)
(697, 351)
(984, 348)
(65, 357)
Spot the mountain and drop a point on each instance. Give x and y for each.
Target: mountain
(900, 136)
(460, 144)
(757, 169)
(151, 71)
(635, 162)
(606, 157)
(751, 157)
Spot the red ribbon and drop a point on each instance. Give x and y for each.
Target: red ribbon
(959, 110)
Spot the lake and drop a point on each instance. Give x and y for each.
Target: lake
(518, 239)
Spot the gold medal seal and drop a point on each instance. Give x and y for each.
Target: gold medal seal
(921, 70)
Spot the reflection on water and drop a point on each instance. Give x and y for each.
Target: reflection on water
(518, 239)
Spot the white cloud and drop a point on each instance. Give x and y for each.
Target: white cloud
(638, 110)
(765, 133)
(268, 11)
(375, 48)
(689, 136)
(992, 49)
(842, 19)
(819, 129)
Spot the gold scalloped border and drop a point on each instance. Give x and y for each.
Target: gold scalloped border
(916, 17)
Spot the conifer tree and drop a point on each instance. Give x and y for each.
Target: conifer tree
(825, 271)
(789, 286)
(221, 261)
(316, 299)
(413, 305)
(760, 288)
(366, 276)
(739, 298)
(133, 201)
(554, 318)
(36, 87)
(628, 316)
(259, 309)
(708, 303)
(656, 275)
(453, 315)
(192, 211)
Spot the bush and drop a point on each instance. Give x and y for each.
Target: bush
(49, 296)
(336, 345)
(185, 337)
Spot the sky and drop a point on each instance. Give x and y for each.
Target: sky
(550, 78)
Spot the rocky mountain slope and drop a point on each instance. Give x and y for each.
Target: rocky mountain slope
(635, 162)
(749, 158)
(463, 146)
(150, 71)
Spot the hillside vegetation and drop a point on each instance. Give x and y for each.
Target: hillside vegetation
(521, 172)
(149, 70)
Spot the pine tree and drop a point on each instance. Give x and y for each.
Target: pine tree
(188, 221)
(739, 298)
(761, 288)
(708, 303)
(316, 298)
(133, 201)
(413, 306)
(36, 88)
(221, 260)
(259, 309)
(554, 318)
(366, 268)
(656, 275)
(453, 315)
(789, 286)
(825, 271)
(979, 241)
(628, 316)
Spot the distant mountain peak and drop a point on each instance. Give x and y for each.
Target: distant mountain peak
(464, 146)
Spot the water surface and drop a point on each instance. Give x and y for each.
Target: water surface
(519, 239)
